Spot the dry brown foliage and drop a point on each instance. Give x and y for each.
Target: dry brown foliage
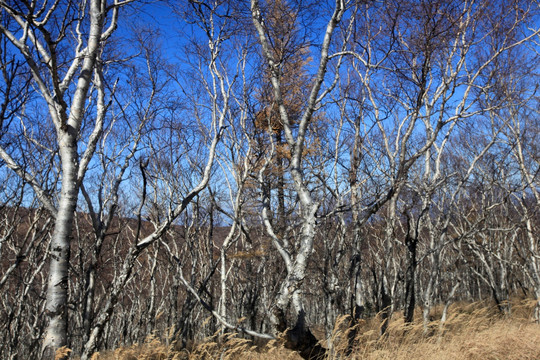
(472, 331)
(62, 353)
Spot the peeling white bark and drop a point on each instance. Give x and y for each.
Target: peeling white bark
(295, 262)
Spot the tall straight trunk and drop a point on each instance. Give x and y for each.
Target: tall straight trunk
(57, 284)
(357, 297)
(357, 308)
(386, 291)
(386, 306)
(536, 314)
(89, 292)
(410, 277)
(429, 288)
(280, 186)
(534, 265)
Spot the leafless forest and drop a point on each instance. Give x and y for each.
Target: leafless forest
(255, 167)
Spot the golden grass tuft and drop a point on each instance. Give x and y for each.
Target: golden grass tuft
(151, 349)
(62, 353)
(472, 331)
(224, 347)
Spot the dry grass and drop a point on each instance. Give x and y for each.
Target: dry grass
(227, 347)
(472, 331)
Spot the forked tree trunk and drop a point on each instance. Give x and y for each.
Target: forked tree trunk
(297, 334)
(299, 337)
(72, 175)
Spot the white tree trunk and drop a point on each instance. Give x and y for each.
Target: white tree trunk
(72, 176)
(57, 284)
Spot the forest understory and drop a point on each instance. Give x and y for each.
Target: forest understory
(473, 331)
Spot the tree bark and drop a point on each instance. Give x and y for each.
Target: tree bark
(57, 283)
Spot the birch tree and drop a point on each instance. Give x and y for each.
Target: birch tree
(299, 336)
(62, 44)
